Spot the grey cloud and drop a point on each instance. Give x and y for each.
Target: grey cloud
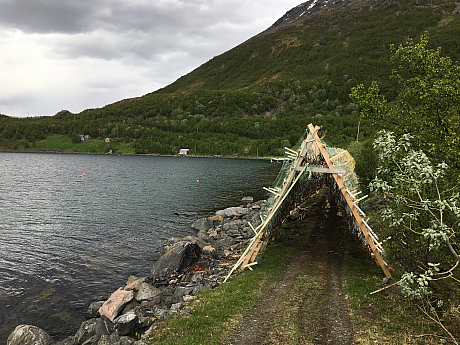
(113, 49)
(74, 16)
(44, 16)
(116, 29)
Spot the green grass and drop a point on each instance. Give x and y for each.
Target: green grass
(382, 318)
(57, 142)
(385, 317)
(224, 307)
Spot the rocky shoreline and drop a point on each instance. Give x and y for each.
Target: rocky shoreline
(186, 266)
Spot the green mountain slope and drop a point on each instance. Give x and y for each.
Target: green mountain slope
(350, 39)
(261, 95)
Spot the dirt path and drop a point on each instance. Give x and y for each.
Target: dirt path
(307, 304)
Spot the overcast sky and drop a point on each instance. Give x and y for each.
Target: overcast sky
(79, 54)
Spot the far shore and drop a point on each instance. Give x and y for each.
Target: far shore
(137, 154)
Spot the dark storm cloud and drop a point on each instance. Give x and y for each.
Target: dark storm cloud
(116, 29)
(71, 16)
(45, 16)
(121, 29)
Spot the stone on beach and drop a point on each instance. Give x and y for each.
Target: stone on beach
(146, 292)
(188, 298)
(180, 256)
(29, 335)
(232, 212)
(93, 309)
(125, 324)
(116, 303)
(207, 223)
(208, 249)
(91, 331)
(134, 283)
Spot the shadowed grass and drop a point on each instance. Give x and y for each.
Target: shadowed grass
(385, 317)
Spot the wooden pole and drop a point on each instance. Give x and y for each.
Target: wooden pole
(350, 203)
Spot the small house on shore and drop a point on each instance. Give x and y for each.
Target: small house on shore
(108, 140)
(184, 152)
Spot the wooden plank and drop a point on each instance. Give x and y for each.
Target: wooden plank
(324, 170)
(252, 228)
(271, 191)
(342, 164)
(350, 193)
(248, 255)
(256, 251)
(252, 253)
(364, 197)
(337, 156)
(249, 265)
(350, 203)
(370, 229)
(286, 193)
(359, 210)
(295, 153)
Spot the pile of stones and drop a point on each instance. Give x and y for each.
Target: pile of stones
(186, 266)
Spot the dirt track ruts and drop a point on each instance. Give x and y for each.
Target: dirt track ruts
(306, 304)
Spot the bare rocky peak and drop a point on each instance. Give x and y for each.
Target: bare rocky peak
(305, 10)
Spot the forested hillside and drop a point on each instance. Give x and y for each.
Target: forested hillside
(260, 96)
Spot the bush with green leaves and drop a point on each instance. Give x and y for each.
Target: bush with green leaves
(420, 219)
(422, 213)
(427, 104)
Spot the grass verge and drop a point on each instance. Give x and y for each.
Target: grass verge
(385, 317)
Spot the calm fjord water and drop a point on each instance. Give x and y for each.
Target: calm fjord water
(65, 237)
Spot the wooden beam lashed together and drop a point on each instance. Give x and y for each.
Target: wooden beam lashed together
(312, 150)
(351, 205)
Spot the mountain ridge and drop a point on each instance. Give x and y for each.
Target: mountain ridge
(298, 29)
(298, 71)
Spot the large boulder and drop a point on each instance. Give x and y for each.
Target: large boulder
(180, 256)
(114, 339)
(134, 283)
(93, 304)
(232, 212)
(112, 307)
(29, 335)
(195, 240)
(168, 244)
(126, 323)
(204, 224)
(91, 331)
(93, 309)
(201, 224)
(146, 292)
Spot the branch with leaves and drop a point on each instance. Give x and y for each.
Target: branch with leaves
(418, 209)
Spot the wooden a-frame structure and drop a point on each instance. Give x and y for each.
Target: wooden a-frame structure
(311, 150)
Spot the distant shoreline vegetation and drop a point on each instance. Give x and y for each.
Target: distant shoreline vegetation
(76, 151)
(227, 123)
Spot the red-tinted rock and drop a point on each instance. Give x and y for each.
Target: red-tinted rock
(112, 307)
